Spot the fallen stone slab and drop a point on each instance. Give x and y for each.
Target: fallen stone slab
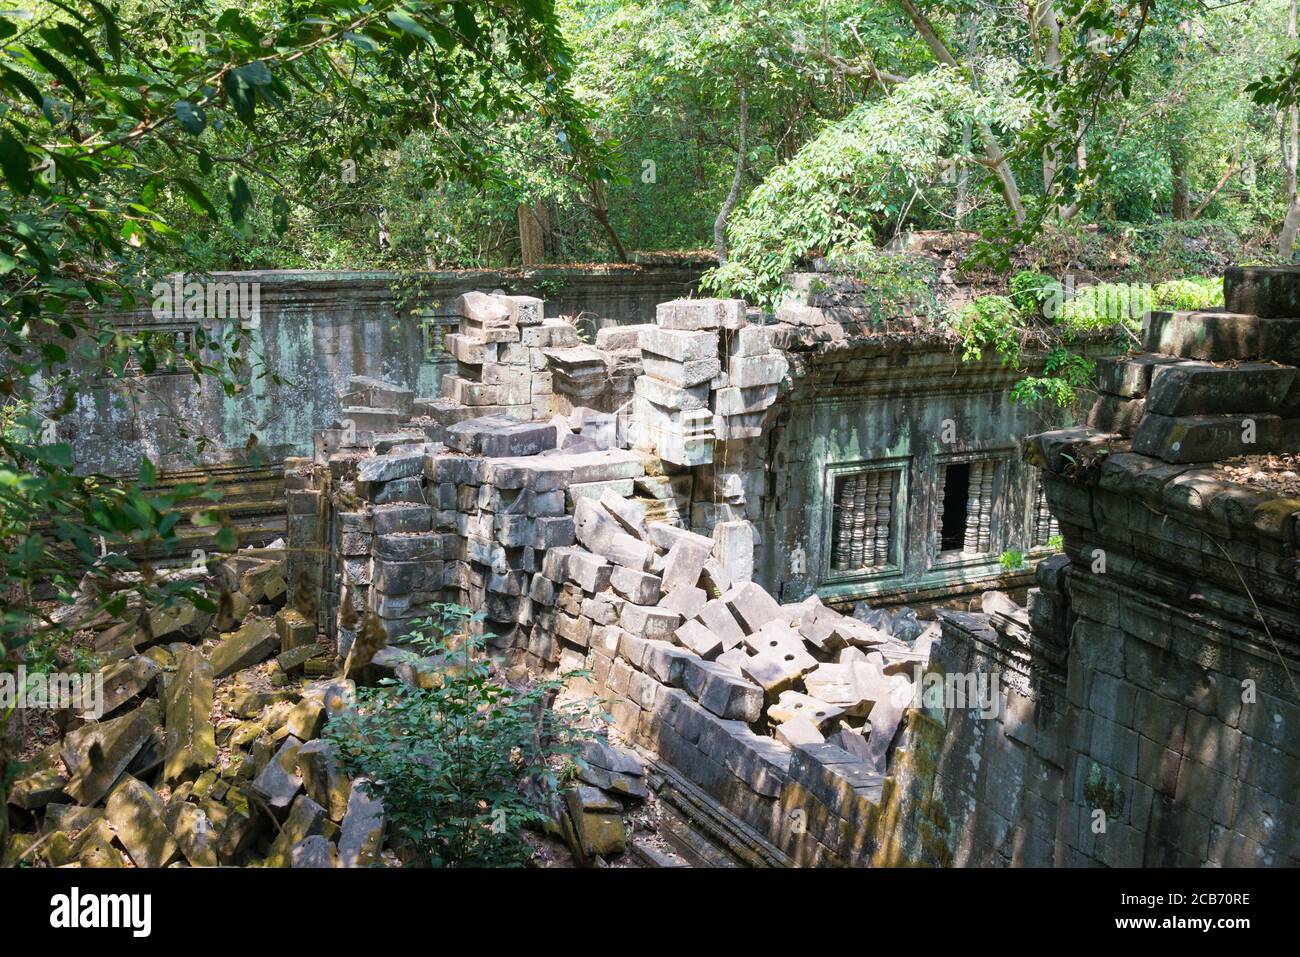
(641, 588)
(362, 833)
(630, 786)
(125, 681)
(752, 606)
(729, 697)
(390, 467)
(306, 719)
(782, 642)
(293, 629)
(854, 742)
(590, 572)
(195, 835)
(679, 344)
(323, 778)
(600, 753)
(648, 622)
(627, 513)
(770, 673)
(751, 371)
(667, 663)
(854, 686)
(665, 536)
(716, 615)
(498, 436)
(798, 731)
(695, 314)
(255, 641)
(1270, 291)
(136, 812)
(793, 704)
(684, 563)
(190, 743)
(38, 782)
(1129, 377)
(595, 834)
(1110, 413)
(315, 851)
(1203, 335)
(97, 754)
(595, 529)
(885, 717)
(698, 639)
(280, 781)
(733, 546)
(1211, 438)
(685, 601)
(306, 818)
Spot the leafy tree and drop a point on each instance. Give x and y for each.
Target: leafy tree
(116, 114)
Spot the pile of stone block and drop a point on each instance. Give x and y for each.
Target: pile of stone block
(708, 374)
(501, 367)
(1210, 385)
(589, 814)
(207, 751)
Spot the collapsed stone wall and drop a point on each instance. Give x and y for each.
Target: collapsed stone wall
(1104, 721)
(576, 551)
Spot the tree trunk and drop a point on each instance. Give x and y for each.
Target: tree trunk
(1182, 199)
(601, 212)
(963, 175)
(532, 247)
(1044, 17)
(1286, 241)
(994, 158)
(724, 214)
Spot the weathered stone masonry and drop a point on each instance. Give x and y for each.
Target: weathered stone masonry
(641, 507)
(1151, 713)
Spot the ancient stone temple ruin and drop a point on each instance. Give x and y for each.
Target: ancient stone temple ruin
(620, 534)
(715, 517)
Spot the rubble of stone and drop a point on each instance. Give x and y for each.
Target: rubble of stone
(580, 536)
(207, 752)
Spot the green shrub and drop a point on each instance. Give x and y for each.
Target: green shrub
(461, 768)
(1031, 290)
(1104, 304)
(1064, 373)
(1197, 292)
(990, 322)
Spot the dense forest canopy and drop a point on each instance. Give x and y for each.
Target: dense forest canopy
(858, 120)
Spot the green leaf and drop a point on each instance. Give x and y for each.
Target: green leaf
(226, 540)
(280, 214)
(405, 22)
(465, 21)
(112, 34)
(23, 85)
(55, 68)
(239, 198)
(242, 96)
(198, 199)
(191, 117)
(15, 164)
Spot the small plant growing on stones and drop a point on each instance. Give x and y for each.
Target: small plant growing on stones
(465, 766)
